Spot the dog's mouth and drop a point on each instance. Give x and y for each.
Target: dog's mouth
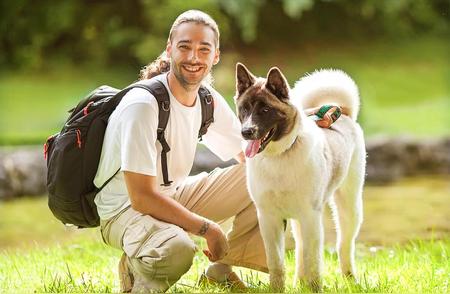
(256, 146)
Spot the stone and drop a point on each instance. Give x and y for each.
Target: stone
(23, 169)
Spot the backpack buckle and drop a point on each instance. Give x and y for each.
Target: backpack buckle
(165, 105)
(208, 98)
(167, 184)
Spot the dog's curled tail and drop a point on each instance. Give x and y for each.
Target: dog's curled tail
(327, 86)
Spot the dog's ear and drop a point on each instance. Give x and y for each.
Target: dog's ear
(277, 83)
(244, 79)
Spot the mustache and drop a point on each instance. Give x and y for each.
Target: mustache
(193, 64)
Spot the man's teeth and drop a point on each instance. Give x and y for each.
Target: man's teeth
(192, 68)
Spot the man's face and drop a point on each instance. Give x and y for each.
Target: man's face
(192, 53)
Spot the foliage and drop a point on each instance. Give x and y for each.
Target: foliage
(135, 31)
(335, 18)
(248, 21)
(124, 31)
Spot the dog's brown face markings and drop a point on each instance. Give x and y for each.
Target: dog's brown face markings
(263, 108)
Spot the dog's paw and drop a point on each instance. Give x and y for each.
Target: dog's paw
(277, 281)
(351, 276)
(315, 285)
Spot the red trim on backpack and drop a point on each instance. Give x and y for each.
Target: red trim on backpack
(45, 150)
(85, 109)
(78, 138)
(46, 145)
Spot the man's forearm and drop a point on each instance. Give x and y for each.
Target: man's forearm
(146, 199)
(168, 210)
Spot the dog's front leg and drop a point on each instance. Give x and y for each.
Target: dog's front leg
(312, 235)
(271, 226)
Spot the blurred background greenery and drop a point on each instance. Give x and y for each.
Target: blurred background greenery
(55, 52)
(52, 53)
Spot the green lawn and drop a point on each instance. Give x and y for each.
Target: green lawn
(404, 86)
(89, 266)
(404, 246)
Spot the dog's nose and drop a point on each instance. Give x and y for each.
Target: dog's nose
(248, 132)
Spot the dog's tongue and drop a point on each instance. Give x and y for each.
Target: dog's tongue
(252, 148)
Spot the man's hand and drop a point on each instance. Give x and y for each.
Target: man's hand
(217, 243)
(240, 157)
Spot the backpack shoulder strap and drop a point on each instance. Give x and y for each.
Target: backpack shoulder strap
(207, 103)
(159, 91)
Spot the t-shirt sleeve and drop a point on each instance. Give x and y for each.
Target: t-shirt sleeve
(224, 134)
(139, 122)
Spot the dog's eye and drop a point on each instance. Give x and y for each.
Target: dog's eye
(265, 109)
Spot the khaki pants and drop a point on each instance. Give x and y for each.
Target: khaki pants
(160, 253)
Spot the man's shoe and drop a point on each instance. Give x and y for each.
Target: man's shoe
(125, 276)
(232, 282)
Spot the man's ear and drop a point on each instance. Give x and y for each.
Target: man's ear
(216, 56)
(168, 48)
(277, 83)
(244, 78)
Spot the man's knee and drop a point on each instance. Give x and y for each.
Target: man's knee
(182, 250)
(165, 256)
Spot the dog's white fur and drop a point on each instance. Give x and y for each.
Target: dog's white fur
(295, 177)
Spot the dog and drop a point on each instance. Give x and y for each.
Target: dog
(295, 167)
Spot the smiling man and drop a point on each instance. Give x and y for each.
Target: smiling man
(147, 217)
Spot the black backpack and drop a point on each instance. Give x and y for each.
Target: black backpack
(73, 154)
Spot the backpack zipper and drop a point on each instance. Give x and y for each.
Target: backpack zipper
(85, 109)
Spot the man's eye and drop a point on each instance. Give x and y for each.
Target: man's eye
(184, 47)
(205, 50)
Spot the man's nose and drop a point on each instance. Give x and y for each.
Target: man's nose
(248, 132)
(193, 56)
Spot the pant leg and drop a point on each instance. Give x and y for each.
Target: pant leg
(158, 253)
(223, 194)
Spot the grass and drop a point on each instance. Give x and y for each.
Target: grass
(44, 256)
(88, 266)
(403, 85)
(34, 105)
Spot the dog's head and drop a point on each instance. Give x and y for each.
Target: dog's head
(263, 108)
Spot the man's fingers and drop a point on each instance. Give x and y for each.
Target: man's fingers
(209, 255)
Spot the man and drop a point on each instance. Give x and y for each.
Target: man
(151, 223)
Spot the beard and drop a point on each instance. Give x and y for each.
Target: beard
(184, 78)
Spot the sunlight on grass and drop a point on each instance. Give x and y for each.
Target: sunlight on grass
(420, 266)
(28, 221)
(39, 254)
(34, 105)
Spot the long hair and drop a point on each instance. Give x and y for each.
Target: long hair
(162, 63)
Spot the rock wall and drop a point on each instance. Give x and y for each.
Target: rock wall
(23, 170)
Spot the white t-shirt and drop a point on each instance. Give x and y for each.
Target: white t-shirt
(130, 143)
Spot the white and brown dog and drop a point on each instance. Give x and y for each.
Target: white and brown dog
(295, 167)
